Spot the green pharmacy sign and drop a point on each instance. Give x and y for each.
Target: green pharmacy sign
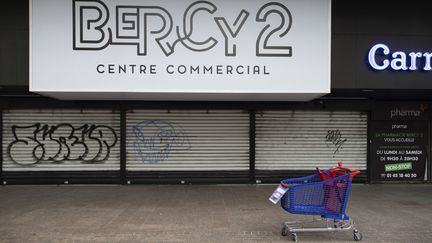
(398, 167)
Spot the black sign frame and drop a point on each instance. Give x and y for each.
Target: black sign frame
(399, 151)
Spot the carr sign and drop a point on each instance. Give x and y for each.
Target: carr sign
(180, 50)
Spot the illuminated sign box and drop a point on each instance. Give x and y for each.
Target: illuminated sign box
(180, 50)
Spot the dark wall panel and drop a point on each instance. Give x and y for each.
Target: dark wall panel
(383, 17)
(14, 41)
(358, 25)
(343, 72)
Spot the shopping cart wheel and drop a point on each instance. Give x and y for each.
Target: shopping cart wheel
(357, 235)
(285, 231)
(294, 237)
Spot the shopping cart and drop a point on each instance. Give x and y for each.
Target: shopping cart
(324, 194)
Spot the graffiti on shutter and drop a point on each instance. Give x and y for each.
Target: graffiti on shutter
(335, 140)
(88, 143)
(154, 140)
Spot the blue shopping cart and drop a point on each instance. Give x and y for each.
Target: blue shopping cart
(324, 194)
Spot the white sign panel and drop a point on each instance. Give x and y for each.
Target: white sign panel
(180, 50)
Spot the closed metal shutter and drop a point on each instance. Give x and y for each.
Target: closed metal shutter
(304, 140)
(187, 140)
(61, 140)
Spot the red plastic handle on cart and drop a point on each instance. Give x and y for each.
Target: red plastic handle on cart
(325, 175)
(336, 171)
(340, 170)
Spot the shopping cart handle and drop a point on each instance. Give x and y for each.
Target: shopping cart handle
(353, 172)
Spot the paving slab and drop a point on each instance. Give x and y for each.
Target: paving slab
(199, 213)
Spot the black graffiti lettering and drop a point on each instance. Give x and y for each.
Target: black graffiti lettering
(262, 46)
(101, 134)
(90, 31)
(230, 32)
(335, 137)
(60, 143)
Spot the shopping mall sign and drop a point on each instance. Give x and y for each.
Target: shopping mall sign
(381, 57)
(180, 50)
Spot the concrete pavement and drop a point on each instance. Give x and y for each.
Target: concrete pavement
(199, 213)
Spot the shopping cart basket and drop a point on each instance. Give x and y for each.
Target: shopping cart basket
(324, 194)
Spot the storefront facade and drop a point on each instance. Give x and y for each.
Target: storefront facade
(376, 117)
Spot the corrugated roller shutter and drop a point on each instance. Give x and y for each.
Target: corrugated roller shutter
(303, 140)
(187, 140)
(61, 140)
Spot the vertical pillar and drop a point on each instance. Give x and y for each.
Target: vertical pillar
(252, 146)
(123, 147)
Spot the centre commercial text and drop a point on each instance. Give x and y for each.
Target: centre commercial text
(183, 69)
